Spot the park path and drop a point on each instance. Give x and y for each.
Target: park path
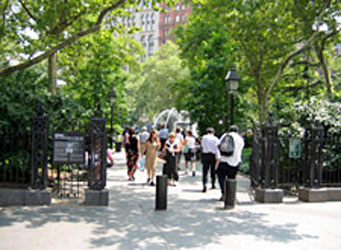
(193, 220)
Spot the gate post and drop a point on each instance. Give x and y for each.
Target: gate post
(40, 131)
(314, 139)
(255, 159)
(269, 164)
(97, 171)
(38, 195)
(313, 156)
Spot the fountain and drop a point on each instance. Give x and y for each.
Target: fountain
(173, 119)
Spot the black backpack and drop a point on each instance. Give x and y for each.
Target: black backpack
(227, 146)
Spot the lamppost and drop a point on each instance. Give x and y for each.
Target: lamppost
(232, 82)
(112, 96)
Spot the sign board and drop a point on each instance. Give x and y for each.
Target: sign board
(295, 148)
(68, 148)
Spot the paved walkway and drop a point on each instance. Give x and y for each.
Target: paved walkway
(194, 220)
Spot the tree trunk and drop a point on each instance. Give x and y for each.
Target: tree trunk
(326, 72)
(53, 74)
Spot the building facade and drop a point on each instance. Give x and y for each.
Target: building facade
(147, 20)
(174, 17)
(154, 26)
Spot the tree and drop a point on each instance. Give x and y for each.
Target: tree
(36, 29)
(264, 37)
(160, 83)
(91, 75)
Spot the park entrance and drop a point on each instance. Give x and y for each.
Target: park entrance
(69, 162)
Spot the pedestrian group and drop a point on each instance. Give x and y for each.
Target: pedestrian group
(220, 157)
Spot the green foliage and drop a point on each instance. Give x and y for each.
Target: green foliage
(160, 84)
(259, 37)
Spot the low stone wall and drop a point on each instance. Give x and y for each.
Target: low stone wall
(96, 197)
(320, 194)
(269, 195)
(24, 197)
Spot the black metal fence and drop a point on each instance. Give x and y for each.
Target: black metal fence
(313, 160)
(15, 151)
(27, 158)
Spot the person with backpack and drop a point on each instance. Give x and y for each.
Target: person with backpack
(229, 156)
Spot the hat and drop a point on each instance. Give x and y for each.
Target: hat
(172, 135)
(210, 130)
(234, 128)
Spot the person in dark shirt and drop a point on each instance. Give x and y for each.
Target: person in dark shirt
(132, 154)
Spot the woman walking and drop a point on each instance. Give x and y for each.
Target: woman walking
(169, 169)
(189, 151)
(150, 150)
(133, 154)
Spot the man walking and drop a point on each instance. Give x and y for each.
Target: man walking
(144, 135)
(210, 149)
(229, 160)
(163, 135)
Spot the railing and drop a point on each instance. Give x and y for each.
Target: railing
(15, 170)
(317, 162)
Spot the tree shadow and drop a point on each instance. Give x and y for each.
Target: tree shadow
(131, 222)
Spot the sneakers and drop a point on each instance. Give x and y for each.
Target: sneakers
(204, 190)
(148, 180)
(193, 173)
(213, 187)
(152, 183)
(222, 198)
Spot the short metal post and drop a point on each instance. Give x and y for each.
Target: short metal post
(230, 193)
(161, 192)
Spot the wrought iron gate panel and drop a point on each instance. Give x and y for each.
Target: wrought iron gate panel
(40, 131)
(97, 154)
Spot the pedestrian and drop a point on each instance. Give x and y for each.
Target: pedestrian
(189, 151)
(163, 135)
(230, 156)
(133, 154)
(180, 139)
(210, 150)
(150, 150)
(169, 168)
(144, 135)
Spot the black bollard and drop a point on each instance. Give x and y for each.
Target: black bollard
(230, 193)
(161, 192)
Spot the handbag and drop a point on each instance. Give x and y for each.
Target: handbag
(142, 163)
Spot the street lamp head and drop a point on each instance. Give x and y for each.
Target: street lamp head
(232, 80)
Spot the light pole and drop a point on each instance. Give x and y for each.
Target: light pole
(112, 96)
(232, 82)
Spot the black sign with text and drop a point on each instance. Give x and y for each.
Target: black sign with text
(68, 148)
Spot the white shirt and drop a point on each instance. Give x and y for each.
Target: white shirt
(179, 138)
(236, 158)
(144, 136)
(190, 142)
(210, 144)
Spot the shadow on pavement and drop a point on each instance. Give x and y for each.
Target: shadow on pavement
(131, 222)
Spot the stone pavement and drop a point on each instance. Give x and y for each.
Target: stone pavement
(193, 220)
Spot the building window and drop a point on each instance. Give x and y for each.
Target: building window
(177, 18)
(183, 17)
(177, 7)
(166, 32)
(167, 19)
(147, 22)
(183, 6)
(143, 41)
(151, 45)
